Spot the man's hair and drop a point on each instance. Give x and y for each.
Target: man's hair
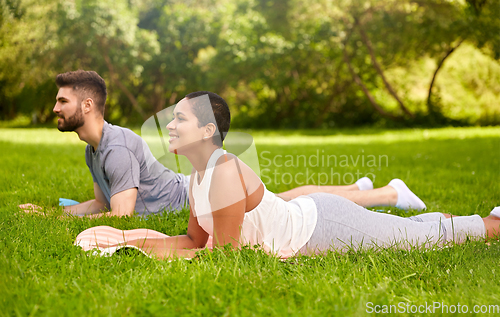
(85, 84)
(219, 111)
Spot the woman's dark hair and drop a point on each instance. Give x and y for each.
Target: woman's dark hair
(85, 84)
(219, 111)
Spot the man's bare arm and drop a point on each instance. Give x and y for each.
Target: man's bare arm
(122, 203)
(94, 206)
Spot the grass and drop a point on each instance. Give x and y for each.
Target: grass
(42, 273)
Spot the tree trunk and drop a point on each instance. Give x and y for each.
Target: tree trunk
(160, 98)
(369, 46)
(336, 90)
(358, 81)
(123, 88)
(440, 64)
(356, 77)
(173, 96)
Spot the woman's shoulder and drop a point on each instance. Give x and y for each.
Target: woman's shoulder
(234, 165)
(229, 168)
(226, 166)
(226, 157)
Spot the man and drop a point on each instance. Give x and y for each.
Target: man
(126, 175)
(128, 178)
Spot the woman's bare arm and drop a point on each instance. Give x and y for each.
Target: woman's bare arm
(228, 201)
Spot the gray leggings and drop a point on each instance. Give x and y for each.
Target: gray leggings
(343, 225)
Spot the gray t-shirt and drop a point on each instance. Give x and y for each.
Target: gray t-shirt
(123, 161)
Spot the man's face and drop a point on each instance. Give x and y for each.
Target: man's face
(68, 109)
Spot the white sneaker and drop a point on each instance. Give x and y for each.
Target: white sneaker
(364, 183)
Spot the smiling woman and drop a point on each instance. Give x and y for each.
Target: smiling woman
(184, 131)
(195, 116)
(229, 202)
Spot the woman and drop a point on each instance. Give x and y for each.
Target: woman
(229, 202)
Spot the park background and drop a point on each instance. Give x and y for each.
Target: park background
(417, 82)
(279, 63)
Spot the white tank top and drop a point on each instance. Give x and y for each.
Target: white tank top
(280, 227)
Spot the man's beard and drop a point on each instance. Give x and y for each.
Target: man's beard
(72, 123)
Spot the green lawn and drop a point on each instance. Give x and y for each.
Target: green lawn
(453, 170)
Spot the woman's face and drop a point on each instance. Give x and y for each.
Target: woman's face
(183, 130)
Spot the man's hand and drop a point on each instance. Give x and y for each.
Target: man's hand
(92, 207)
(30, 208)
(122, 204)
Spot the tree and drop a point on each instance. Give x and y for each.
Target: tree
(280, 63)
(478, 24)
(26, 42)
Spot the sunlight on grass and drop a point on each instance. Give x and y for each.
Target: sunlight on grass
(385, 136)
(309, 137)
(38, 136)
(453, 170)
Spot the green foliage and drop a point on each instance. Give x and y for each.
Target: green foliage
(42, 273)
(278, 63)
